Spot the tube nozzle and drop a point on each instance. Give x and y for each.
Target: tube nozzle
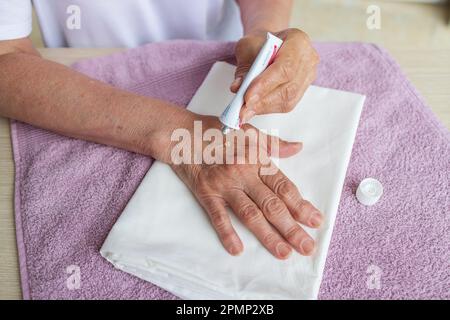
(226, 129)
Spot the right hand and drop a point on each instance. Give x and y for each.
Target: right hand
(269, 205)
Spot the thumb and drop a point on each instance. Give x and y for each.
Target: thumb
(280, 148)
(275, 146)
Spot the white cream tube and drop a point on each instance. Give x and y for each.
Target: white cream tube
(230, 116)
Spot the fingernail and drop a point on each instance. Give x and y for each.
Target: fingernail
(307, 246)
(283, 250)
(316, 219)
(234, 250)
(248, 115)
(236, 82)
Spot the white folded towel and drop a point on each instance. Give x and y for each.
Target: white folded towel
(164, 236)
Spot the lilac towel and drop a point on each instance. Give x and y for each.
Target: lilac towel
(70, 192)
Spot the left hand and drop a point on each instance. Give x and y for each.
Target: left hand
(266, 202)
(283, 83)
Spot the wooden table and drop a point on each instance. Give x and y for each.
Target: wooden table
(429, 71)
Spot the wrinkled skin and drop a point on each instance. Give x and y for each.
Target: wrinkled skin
(280, 87)
(269, 205)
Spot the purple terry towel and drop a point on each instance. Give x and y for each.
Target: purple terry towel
(69, 193)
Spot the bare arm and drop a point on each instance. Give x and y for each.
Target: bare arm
(265, 15)
(280, 87)
(54, 97)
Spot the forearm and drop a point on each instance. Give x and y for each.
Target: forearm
(54, 97)
(265, 15)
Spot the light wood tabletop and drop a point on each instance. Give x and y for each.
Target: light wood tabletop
(427, 69)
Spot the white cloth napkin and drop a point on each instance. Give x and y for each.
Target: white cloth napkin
(163, 235)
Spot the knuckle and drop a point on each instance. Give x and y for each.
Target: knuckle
(285, 106)
(228, 170)
(287, 70)
(201, 187)
(292, 232)
(299, 34)
(260, 83)
(296, 32)
(300, 208)
(285, 188)
(273, 207)
(218, 220)
(269, 238)
(300, 205)
(206, 199)
(289, 92)
(302, 38)
(249, 213)
(241, 70)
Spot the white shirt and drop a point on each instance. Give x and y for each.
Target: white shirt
(120, 23)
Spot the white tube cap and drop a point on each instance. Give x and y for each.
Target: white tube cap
(369, 191)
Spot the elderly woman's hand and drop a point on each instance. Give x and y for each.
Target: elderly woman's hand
(283, 83)
(267, 202)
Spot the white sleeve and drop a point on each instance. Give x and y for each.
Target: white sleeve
(15, 19)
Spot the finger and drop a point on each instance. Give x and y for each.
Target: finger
(295, 54)
(222, 224)
(283, 98)
(235, 85)
(246, 114)
(245, 55)
(282, 70)
(252, 217)
(279, 216)
(274, 146)
(280, 148)
(241, 71)
(302, 210)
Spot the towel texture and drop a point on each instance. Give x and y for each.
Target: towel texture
(69, 193)
(187, 258)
